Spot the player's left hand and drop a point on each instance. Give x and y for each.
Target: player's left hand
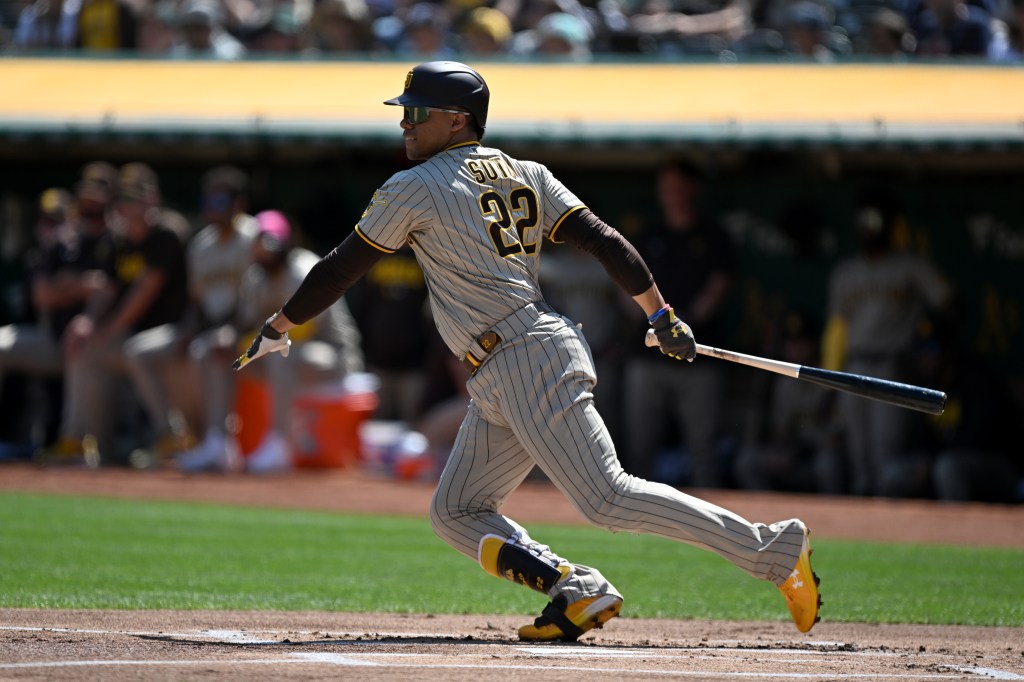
(269, 341)
(673, 336)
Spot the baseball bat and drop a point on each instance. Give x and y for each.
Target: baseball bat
(892, 392)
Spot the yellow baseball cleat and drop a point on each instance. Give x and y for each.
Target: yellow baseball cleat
(566, 624)
(801, 590)
(70, 452)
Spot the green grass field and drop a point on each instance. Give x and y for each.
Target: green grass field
(80, 552)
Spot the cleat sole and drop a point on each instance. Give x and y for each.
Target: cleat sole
(608, 607)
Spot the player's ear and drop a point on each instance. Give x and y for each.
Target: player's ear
(459, 122)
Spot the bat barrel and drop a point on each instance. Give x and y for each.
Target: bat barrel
(893, 392)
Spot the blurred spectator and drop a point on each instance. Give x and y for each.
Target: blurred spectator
(959, 29)
(163, 374)
(558, 35)
(486, 31)
(31, 347)
(281, 34)
(157, 28)
(809, 30)
(341, 26)
(563, 35)
(876, 299)
(394, 289)
(525, 15)
(760, 42)
(426, 32)
(243, 17)
(888, 34)
(201, 32)
(1015, 29)
(693, 260)
(694, 25)
(48, 25)
(9, 12)
(789, 427)
(325, 349)
(557, 29)
(148, 290)
(107, 25)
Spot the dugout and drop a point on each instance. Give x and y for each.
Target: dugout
(787, 147)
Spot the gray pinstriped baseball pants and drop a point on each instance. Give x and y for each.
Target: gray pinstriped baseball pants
(532, 404)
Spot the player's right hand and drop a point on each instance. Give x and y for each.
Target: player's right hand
(674, 336)
(269, 341)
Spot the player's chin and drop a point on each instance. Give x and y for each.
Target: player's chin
(413, 151)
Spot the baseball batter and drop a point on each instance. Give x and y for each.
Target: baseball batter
(477, 221)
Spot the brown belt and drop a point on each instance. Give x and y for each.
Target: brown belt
(512, 326)
(487, 342)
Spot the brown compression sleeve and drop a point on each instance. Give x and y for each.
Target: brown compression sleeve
(330, 278)
(586, 231)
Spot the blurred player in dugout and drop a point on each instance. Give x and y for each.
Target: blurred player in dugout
(876, 300)
(66, 263)
(326, 349)
(146, 288)
(164, 375)
(693, 260)
(783, 441)
(395, 289)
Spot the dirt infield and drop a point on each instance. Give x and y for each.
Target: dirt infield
(118, 646)
(40, 644)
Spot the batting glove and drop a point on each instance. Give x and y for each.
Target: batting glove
(673, 335)
(269, 341)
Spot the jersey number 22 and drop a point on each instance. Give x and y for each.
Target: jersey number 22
(520, 210)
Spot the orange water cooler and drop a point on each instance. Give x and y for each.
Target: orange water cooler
(253, 412)
(324, 426)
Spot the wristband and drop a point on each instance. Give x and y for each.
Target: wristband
(269, 332)
(661, 311)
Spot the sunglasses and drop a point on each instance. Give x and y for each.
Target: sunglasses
(417, 115)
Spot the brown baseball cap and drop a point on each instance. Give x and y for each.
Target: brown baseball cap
(99, 182)
(138, 182)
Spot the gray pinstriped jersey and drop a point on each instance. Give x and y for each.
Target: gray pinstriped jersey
(476, 219)
(883, 298)
(217, 266)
